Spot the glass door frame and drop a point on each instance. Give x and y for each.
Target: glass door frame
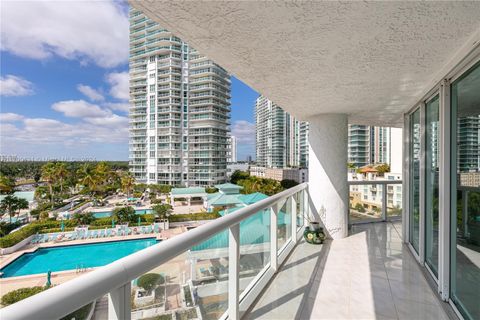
(445, 135)
(436, 93)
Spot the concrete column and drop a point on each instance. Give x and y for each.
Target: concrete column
(327, 174)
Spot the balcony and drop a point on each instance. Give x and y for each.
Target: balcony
(255, 264)
(368, 275)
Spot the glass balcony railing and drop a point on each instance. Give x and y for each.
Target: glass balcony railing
(214, 271)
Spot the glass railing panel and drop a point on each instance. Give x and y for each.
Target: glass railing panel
(192, 285)
(300, 209)
(394, 201)
(254, 247)
(365, 203)
(284, 224)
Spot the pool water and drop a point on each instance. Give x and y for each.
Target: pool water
(106, 214)
(71, 257)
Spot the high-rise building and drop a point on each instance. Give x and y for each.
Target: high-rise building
(371, 145)
(281, 140)
(232, 152)
(468, 131)
(179, 109)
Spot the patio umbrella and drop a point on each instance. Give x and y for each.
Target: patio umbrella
(113, 223)
(62, 226)
(139, 220)
(49, 278)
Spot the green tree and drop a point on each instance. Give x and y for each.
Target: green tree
(239, 175)
(125, 214)
(12, 205)
(288, 183)
(7, 185)
(49, 175)
(150, 281)
(162, 211)
(383, 168)
(87, 177)
(127, 182)
(61, 172)
(85, 218)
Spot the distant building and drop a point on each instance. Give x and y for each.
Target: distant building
(249, 159)
(232, 153)
(299, 175)
(234, 166)
(179, 109)
(371, 145)
(281, 140)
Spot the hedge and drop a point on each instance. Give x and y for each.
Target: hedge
(31, 229)
(20, 294)
(194, 216)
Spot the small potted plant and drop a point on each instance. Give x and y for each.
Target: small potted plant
(314, 233)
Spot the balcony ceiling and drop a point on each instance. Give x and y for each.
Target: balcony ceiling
(370, 60)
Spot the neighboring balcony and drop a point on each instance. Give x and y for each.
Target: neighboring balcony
(253, 263)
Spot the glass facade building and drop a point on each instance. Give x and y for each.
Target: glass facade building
(281, 140)
(179, 109)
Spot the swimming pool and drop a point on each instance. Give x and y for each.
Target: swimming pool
(106, 214)
(71, 257)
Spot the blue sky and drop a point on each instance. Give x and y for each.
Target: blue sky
(64, 83)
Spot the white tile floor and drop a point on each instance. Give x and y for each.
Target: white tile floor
(369, 275)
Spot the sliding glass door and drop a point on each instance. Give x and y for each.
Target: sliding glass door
(432, 156)
(415, 179)
(465, 179)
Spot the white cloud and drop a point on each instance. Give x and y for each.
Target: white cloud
(91, 93)
(88, 31)
(10, 117)
(12, 86)
(123, 107)
(119, 85)
(80, 109)
(244, 131)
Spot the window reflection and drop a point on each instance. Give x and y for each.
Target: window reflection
(465, 269)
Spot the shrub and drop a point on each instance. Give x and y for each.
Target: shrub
(149, 281)
(20, 294)
(125, 214)
(6, 227)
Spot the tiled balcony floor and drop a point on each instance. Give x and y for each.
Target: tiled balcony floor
(369, 275)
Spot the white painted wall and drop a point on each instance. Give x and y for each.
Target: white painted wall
(327, 174)
(396, 150)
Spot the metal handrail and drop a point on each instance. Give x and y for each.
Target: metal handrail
(61, 300)
(370, 182)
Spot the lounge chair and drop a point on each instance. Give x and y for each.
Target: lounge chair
(101, 234)
(156, 229)
(109, 232)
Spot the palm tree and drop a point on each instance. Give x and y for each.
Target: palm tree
(162, 211)
(61, 173)
(21, 204)
(87, 177)
(11, 204)
(7, 185)
(49, 175)
(127, 182)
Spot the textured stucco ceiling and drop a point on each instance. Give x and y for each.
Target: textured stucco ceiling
(371, 60)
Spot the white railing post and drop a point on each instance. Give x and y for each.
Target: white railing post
(384, 201)
(273, 237)
(294, 219)
(119, 305)
(233, 272)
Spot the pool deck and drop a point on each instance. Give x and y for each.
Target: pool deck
(12, 283)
